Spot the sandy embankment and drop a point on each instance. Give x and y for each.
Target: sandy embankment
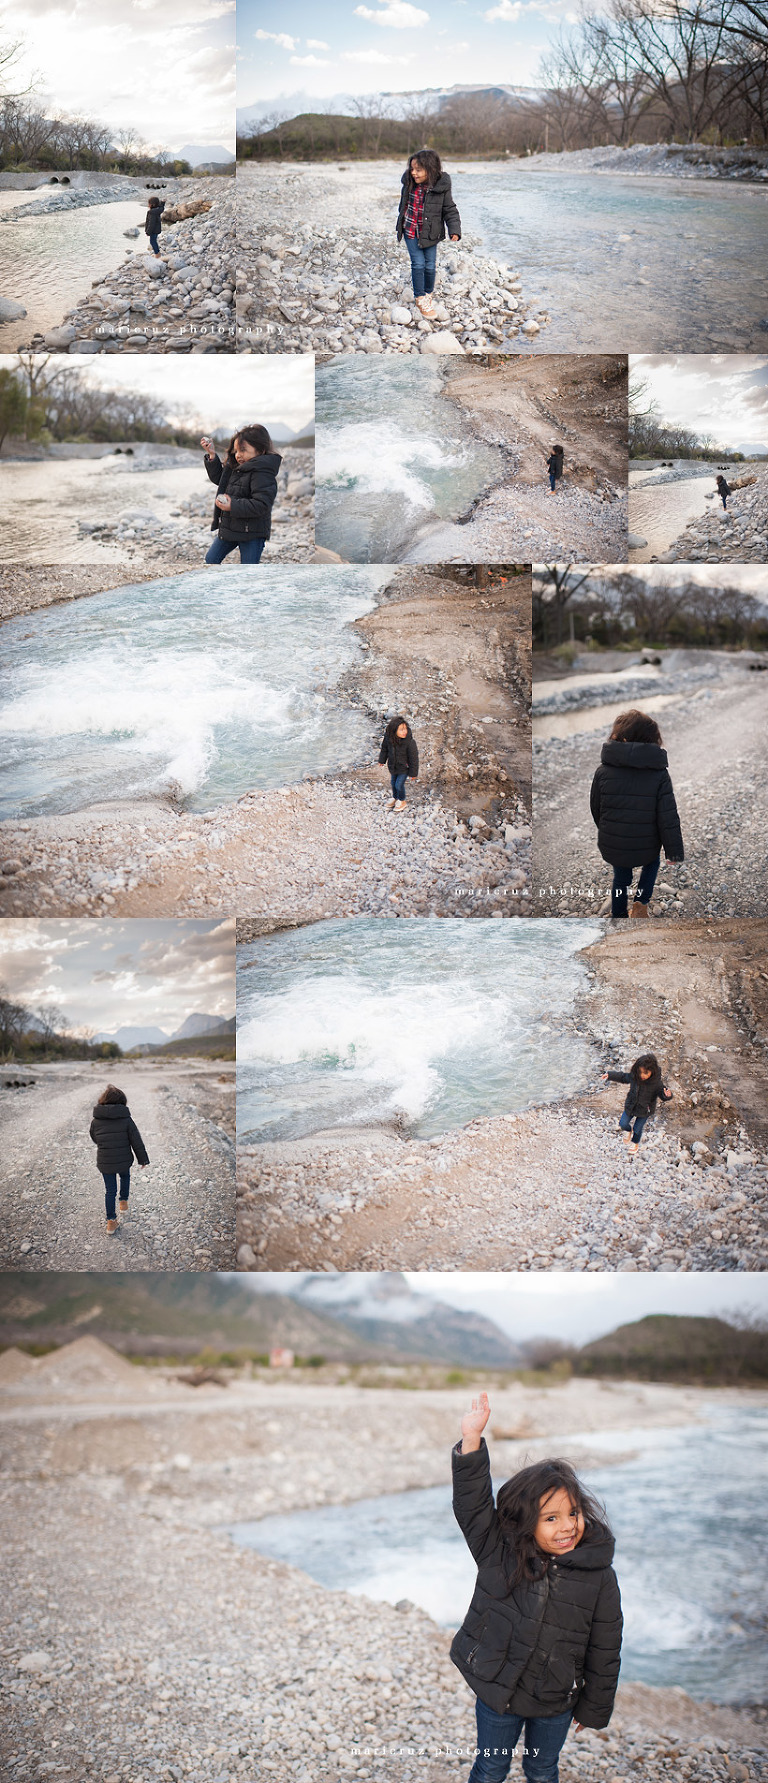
(553, 1187)
(722, 794)
(526, 407)
(457, 658)
(135, 1638)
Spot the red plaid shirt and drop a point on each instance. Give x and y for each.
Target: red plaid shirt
(414, 215)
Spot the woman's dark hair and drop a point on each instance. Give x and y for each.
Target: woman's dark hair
(255, 436)
(648, 1062)
(721, 482)
(519, 1504)
(154, 204)
(393, 727)
(559, 451)
(635, 727)
(110, 1094)
(430, 161)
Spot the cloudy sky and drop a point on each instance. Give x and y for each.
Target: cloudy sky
(722, 394)
(165, 68)
(388, 46)
(220, 391)
(121, 971)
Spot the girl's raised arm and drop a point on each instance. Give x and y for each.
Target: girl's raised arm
(473, 1424)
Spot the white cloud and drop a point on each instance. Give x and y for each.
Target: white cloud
(310, 61)
(377, 57)
(281, 37)
(316, 43)
(397, 14)
(507, 9)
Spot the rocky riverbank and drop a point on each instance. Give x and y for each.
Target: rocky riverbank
(691, 160)
(216, 1664)
(693, 1198)
(309, 285)
(457, 658)
(182, 302)
(737, 534)
(27, 590)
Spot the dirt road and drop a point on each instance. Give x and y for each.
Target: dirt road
(456, 659)
(135, 1641)
(181, 1213)
(554, 1187)
(716, 739)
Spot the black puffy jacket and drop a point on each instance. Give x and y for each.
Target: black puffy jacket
(116, 1137)
(252, 487)
(154, 218)
(440, 217)
(400, 754)
(548, 1644)
(641, 1098)
(633, 804)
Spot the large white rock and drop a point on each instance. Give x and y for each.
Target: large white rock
(442, 341)
(10, 311)
(60, 337)
(401, 316)
(530, 328)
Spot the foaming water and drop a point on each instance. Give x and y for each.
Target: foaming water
(51, 261)
(429, 1024)
(204, 685)
(669, 285)
(693, 1586)
(392, 456)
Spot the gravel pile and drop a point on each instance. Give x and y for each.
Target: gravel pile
(737, 534)
(523, 523)
(693, 160)
(182, 302)
(69, 199)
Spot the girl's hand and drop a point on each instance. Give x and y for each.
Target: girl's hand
(208, 446)
(604, 1075)
(577, 1727)
(224, 501)
(473, 1424)
(455, 238)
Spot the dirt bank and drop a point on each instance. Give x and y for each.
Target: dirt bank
(181, 1205)
(722, 794)
(553, 1187)
(218, 1663)
(456, 659)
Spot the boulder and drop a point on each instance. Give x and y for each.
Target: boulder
(401, 316)
(442, 341)
(10, 310)
(60, 338)
(635, 543)
(530, 327)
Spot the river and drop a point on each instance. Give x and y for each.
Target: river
(49, 262)
(43, 500)
(207, 684)
(660, 510)
(431, 1023)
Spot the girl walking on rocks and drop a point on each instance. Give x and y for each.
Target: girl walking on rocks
(154, 222)
(724, 490)
(247, 487)
(541, 1641)
(426, 215)
(632, 802)
(555, 466)
(118, 1141)
(401, 755)
(646, 1088)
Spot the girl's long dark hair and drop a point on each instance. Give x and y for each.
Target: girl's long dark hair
(393, 727)
(255, 436)
(519, 1502)
(430, 161)
(635, 727)
(648, 1062)
(111, 1094)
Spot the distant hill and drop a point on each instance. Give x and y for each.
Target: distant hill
(217, 1042)
(385, 1309)
(198, 155)
(198, 1024)
(150, 1039)
(127, 1037)
(663, 1347)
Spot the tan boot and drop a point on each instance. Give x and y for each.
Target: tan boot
(639, 909)
(122, 1207)
(111, 1227)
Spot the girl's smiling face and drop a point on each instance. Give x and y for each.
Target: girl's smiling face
(402, 730)
(645, 1072)
(418, 173)
(561, 1524)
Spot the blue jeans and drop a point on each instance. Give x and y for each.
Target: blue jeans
(423, 266)
(397, 783)
(110, 1188)
(497, 1737)
(552, 481)
(622, 879)
(250, 549)
(724, 500)
(153, 244)
(626, 1125)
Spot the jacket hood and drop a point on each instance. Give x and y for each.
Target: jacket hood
(111, 1111)
(393, 727)
(634, 755)
(269, 461)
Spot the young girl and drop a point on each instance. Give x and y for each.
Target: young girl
(401, 755)
(154, 222)
(724, 490)
(427, 213)
(540, 1642)
(117, 1140)
(247, 482)
(633, 804)
(555, 465)
(646, 1085)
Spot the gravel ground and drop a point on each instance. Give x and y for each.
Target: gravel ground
(181, 1206)
(26, 590)
(182, 302)
(736, 534)
(694, 160)
(305, 286)
(137, 1642)
(457, 659)
(722, 796)
(369, 1198)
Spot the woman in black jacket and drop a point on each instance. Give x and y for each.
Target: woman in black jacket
(401, 755)
(118, 1141)
(646, 1087)
(247, 485)
(541, 1641)
(633, 804)
(426, 214)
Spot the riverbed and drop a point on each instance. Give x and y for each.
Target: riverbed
(424, 1026)
(201, 686)
(49, 262)
(44, 499)
(662, 504)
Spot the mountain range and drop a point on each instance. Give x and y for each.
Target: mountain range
(205, 154)
(128, 1037)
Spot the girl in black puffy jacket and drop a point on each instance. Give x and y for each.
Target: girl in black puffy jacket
(426, 214)
(633, 804)
(400, 752)
(646, 1088)
(118, 1141)
(541, 1641)
(247, 487)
